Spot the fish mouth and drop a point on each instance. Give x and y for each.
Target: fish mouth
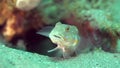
(57, 36)
(57, 39)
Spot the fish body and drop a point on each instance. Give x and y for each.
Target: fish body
(67, 39)
(70, 41)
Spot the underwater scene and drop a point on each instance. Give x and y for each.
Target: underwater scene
(59, 34)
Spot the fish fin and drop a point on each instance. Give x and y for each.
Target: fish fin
(45, 31)
(53, 49)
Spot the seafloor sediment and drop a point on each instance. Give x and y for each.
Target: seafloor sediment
(12, 58)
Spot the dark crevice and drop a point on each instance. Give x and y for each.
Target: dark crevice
(38, 44)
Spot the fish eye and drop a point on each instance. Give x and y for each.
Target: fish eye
(68, 28)
(56, 36)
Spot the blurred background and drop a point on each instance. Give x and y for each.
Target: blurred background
(21, 19)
